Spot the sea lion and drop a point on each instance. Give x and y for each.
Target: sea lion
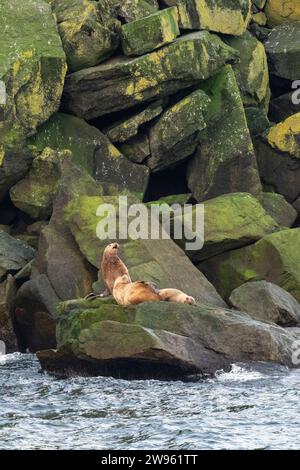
(175, 295)
(127, 293)
(112, 268)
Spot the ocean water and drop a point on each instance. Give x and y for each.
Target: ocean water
(252, 407)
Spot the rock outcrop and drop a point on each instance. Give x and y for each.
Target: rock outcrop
(266, 301)
(32, 68)
(159, 340)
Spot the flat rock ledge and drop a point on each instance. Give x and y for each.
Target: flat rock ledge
(161, 341)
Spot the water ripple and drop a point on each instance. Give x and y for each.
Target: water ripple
(251, 407)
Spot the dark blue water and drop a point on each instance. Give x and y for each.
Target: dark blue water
(251, 407)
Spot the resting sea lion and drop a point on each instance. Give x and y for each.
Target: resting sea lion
(175, 295)
(127, 293)
(112, 267)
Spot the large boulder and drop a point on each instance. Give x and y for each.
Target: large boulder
(122, 82)
(176, 134)
(160, 340)
(59, 257)
(7, 296)
(275, 258)
(158, 260)
(35, 313)
(34, 194)
(279, 209)
(225, 161)
(230, 221)
(151, 32)
(32, 68)
(265, 301)
(278, 157)
(14, 165)
(252, 70)
(14, 254)
(88, 37)
(278, 11)
(92, 151)
(283, 50)
(222, 16)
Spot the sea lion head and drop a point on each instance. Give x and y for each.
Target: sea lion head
(111, 251)
(190, 300)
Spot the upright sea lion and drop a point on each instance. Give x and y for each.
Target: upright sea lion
(127, 293)
(112, 267)
(175, 295)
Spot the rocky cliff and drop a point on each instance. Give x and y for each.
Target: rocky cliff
(163, 101)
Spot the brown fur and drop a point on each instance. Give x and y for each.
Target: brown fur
(126, 292)
(112, 267)
(175, 295)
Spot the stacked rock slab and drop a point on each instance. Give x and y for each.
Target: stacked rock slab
(222, 17)
(123, 83)
(150, 33)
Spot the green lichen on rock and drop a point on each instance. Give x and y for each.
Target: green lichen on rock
(221, 16)
(132, 10)
(225, 162)
(275, 258)
(252, 70)
(177, 132)
(32, 68)
(278, 11)
(88, 38)
(230, 221)
(150, 33)
(178, 339)
(92, 151)
(122, 83)
(34, 194)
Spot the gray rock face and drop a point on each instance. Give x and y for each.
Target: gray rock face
(14, 254)
(7, 295)
(283, 107)
(279, 209)
(266, 301)
(283, 50)
(35, 313)
(160, 340)
(14, 166)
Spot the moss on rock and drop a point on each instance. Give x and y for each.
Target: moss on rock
(32, 68)
(275, 258)
(150, 33)
(221, 16)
